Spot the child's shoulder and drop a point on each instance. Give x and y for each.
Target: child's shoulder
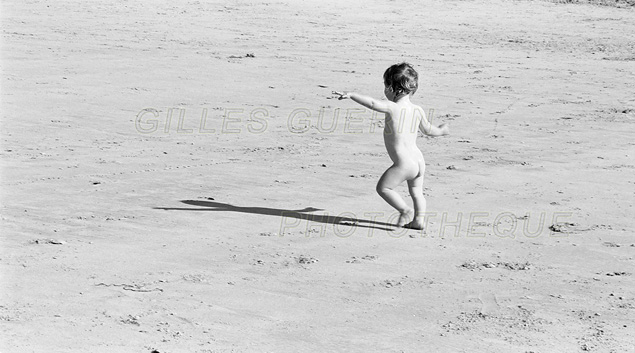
(414, 107)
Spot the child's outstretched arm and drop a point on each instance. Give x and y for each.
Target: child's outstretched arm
(427, 128)
(366, 101)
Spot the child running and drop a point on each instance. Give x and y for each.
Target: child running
(400, 135)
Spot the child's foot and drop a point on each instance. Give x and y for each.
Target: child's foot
(414, 225)
(405, 217)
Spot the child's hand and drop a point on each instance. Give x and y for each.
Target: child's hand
(342, 95)
(445, 129)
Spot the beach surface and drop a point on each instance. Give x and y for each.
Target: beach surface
(179, 177)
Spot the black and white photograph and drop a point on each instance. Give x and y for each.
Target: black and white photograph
(205, 176)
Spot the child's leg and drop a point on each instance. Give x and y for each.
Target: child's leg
(415, 186)
(391, 178)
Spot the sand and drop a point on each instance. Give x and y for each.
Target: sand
(177, 177)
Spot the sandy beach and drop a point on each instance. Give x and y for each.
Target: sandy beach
(179, 177)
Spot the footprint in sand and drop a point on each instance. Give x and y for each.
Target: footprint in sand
(489, 303)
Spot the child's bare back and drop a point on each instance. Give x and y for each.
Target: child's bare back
(400, 136)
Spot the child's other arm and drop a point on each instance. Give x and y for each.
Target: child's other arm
(366, 101)
(431, 130)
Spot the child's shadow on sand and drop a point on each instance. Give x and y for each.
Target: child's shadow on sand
(298, 214)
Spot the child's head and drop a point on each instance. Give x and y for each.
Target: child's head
(400, 79)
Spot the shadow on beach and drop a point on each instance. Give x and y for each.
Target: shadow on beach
(303, 214)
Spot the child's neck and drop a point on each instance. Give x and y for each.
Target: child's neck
(404, 98)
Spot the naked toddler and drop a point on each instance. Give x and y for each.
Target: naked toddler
(400, 134)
